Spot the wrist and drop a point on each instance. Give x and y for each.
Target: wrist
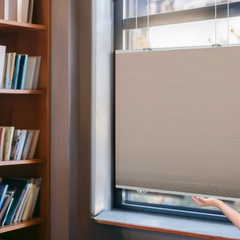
(218, 203)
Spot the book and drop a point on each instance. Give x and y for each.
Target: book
(7, 143)
(16, 209)
(15, 143)
(4, 206)
(7, 212)
(36, 73)
(4, 9)
(33, 144)
(21, 145)
(30, 200)
(2, 135)
(30, 11)
(18, 185)
(3, 191)
(10, 60)
(2, 63)
(31, 65)
(35, 197)
(29, 138)
(9, 194)
(16, 72)
(25, 202)
(22, 71)
(20, 205)
(12, 11)
(23, 10)
(18, 144)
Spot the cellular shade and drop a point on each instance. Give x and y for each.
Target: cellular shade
(178, 121)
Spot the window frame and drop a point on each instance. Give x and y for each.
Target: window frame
(120, 25)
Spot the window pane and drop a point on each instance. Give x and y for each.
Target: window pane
(171, 200)
(186, 34)
(162, 6)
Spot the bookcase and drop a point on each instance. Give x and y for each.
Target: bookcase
(30, 109)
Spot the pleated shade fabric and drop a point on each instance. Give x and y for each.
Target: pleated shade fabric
(178, 121)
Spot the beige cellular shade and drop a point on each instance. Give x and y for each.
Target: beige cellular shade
(178, 121)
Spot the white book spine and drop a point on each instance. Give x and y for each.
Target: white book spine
(6, 10)
(19, 10)
(2, 64)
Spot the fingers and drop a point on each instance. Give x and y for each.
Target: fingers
(197, 201)
(202, 199)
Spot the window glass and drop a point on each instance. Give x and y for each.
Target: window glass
(171, 200)
(163, 6)
(185, 34)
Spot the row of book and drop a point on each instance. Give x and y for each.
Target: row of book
(18, 198)
(17, 10)
(18, 71)
(17, 144)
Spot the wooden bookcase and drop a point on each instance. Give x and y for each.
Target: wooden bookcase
(30, 109)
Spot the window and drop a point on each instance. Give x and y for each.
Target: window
(176, 23)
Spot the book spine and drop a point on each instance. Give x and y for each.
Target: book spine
(22, 72)
(15, 143)
(27, 145)
(4, 207)
(25, 191)
(30, 11)
(21, 145)
(16, 72)
(25, 202)
(1, 142)
(3, 195)
(36, 73)
(6, 215)
(16, 209)
(7, 143)
(35, 197)
(6, 10)
(34, 144)
(9, 70)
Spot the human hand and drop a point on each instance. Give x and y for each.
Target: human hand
(200, 201)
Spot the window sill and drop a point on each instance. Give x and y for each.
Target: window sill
(190, 227)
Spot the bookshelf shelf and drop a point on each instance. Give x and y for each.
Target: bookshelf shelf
(6, 91)
(22, 162)
(23, 224)
(13, 26)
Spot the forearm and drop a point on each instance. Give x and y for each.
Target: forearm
(232, 215)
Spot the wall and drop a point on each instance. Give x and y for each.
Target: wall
(74, 41)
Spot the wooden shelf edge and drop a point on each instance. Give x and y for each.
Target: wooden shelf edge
(23, 224)
(162, 230)
(21, 162)
(12, 91)
(7, 23)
